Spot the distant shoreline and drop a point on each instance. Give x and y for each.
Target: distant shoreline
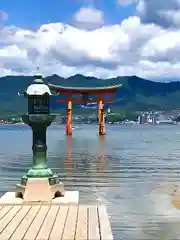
(12, 124)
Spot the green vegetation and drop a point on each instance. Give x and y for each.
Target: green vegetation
(122, 116)
(136, 94)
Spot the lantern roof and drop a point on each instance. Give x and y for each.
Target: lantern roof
(38, 78)
(38, 86)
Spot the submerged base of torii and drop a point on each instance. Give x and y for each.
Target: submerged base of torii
(82, 95)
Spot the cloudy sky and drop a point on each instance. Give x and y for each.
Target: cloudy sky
(103, 38)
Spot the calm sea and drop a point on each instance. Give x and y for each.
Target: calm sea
(119, 170)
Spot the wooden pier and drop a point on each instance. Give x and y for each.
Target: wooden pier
(54, 222)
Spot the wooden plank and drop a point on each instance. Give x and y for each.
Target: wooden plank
(5, 210)
(36, 224)
(82, 223)
(52, 222)
(105, 228)
(70, 226)
(93, 223)
(48, 224)
(8, 218)
(59, 223)
(9, 230)
(23, 227)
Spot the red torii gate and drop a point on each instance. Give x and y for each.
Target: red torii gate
(82, 95)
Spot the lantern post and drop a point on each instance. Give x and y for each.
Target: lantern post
(39, 118)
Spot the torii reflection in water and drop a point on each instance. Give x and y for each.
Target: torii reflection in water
(100, 162)
(100, 158)
(68, 162)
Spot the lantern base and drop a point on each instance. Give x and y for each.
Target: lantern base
(40, 173)
(39, 190)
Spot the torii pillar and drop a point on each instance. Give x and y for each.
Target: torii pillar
(69, 119)
(102, 127)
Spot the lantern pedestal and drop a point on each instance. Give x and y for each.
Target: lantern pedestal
(39, 184)
(39, 190)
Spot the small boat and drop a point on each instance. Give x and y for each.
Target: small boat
(166, 122)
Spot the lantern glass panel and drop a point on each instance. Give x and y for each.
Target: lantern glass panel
(39, 105)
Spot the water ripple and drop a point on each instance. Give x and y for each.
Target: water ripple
(121, 170)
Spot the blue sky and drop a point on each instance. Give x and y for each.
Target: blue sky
(102, 38)
(33, 13)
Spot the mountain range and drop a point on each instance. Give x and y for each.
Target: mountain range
(135, 94)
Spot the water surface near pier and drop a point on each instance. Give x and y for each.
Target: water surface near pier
(119, 170)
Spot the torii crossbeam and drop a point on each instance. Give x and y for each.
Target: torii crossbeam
(99, 95)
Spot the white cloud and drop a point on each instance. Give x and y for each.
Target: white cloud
(89, 18)
(165, 13)
(129, 48)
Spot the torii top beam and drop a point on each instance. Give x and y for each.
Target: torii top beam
(86, 90)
